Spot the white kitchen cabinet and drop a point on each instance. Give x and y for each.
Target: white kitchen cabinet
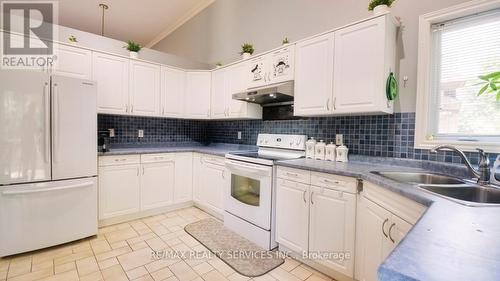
(173, 94)
(197, 178)
(198, 85)
(332, 227)
(282, 64)
(314, 76)
(157, 183)
(364, 58)
(112, 76)
(292, 215)
(183, 188)
(119, 190)
(144, 88)
(257, 71)
(219, 95)
(214, 180)
(72, 62)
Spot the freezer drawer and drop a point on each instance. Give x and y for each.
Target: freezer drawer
(40, 215)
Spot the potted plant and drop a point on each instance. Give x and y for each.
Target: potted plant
(491, 84)
(72, 39)
(285, 41)
(380, 6)
(133, 49)
(218, 64)
(246, 50)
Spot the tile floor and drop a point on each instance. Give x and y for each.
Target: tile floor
(124, 252)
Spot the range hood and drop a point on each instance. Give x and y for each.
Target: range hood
(269, 95)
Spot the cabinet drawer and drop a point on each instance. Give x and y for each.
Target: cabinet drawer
(160, 157)
(336, 182)
(292, 174)
(119, 160)
(216, 160)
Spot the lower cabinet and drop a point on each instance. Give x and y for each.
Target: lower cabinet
(131, 184)
(210, 178)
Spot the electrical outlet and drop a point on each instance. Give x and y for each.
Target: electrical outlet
(339, 139)
(140, 133)
(111, 133)
(239, 135)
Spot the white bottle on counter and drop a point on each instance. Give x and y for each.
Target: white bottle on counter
(319, 152)
(310, 147)
(496, 165)
(342, 152)
(330, 152)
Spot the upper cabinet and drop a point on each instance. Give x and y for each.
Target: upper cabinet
(173, 84)
(112, 76)
(271, 68)
(337, 73)
(144, 88)
(198, 84)
(314, 76)
(72, 62)
(364, 58)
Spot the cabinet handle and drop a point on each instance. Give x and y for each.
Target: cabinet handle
(390, 229)
(311, 199)
(328, 104)
(292, 174)
(304, 196)
(335, 103)
(126, 108)
(224, 174)
(120, 160)
(143, 170)
(137, 171)
(208, 112)
(383, 227)
(332, 182)
(132, 108)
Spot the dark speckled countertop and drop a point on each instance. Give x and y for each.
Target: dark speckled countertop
(450, 242)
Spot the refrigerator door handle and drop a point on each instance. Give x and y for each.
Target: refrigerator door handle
(46, 96)
(71, 186)
(55, 120)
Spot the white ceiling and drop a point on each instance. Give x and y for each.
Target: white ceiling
(144, 21)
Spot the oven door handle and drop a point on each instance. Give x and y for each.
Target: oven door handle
(248, 167)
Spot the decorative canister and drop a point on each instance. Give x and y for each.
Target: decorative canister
(310, 146)
(496, 166)
(319, 152)
(342, 152)
(330, 152)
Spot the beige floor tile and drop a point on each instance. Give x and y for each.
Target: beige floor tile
(265, 277)
(203, 268)
(181, 248)
(183, 271)
(135, 259)
(301, 272)
(162, 274)
(214, 275)
(3, 275)
(143, 231)
(60, 268)
(107, 263)
(113, 253)
(176, 228)
(139, 245)
(237, 277)
(114, 273)
(315, 277)
(173, 242)
(160, 264)
(221, 266)
(42, 265)
(283, 275)
(65, 276)
(95, 276)
(4, 264)
(141, 238)
(51, 253)
(19, 266)
(73, 257)
(87, 266)
(81, 247)
(138, 225)
(121, 235)
(156, 244)
(32, 276)
(188, 240)
(137, 272)
(144, 278)
(160, 230)
(120, 244)
(315, 272)
(100, 246)
(289, 264)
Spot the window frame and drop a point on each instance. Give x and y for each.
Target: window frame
(424, 71)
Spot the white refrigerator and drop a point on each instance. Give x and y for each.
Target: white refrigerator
(48, 160)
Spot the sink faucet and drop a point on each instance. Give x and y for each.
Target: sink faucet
(482, 174)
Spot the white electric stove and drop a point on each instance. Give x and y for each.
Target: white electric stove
(249, 200)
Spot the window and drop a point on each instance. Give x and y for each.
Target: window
(458, 48)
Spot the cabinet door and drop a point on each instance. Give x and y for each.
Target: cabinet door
(73, 62)
(183, 188)
(157, 184)
(332, 227)
(112, 76)
(396, 232)
(173, 94)
(359, 78)
(314, 76)
(292, 215)
(118, 190)
(214, 180)
(371, 239)
(219, 95)
(282, 64)
(144, 88)
(198, 85)
(238, 82)
(197, 178)
(257, 72)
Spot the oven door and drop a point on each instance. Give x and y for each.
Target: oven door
(249, 194)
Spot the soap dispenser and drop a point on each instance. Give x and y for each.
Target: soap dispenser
(494, 172)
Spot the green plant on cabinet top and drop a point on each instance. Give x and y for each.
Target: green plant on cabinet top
(375, 3)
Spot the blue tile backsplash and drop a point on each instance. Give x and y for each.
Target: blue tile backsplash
(377, 135)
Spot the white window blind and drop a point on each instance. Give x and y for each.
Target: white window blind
(464, 49)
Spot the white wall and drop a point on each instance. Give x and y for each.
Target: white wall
(217, 33)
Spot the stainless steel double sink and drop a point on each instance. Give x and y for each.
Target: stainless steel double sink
(462, 191)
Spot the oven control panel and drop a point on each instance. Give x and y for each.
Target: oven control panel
(296, 142)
